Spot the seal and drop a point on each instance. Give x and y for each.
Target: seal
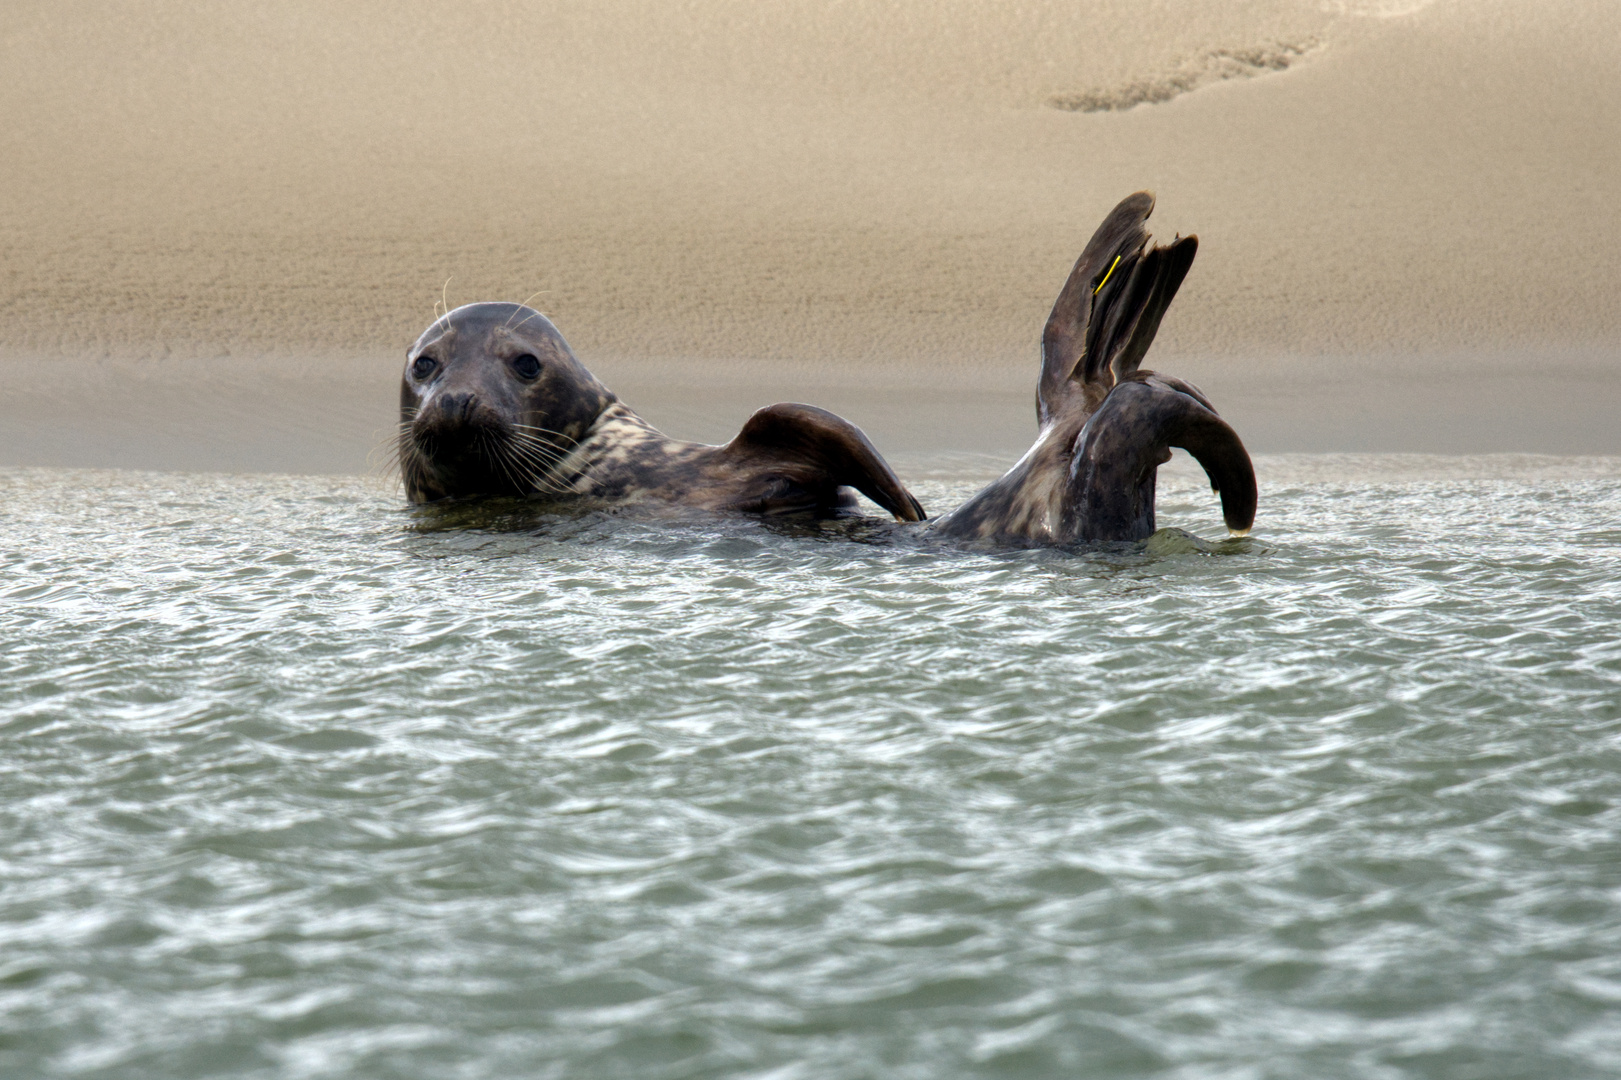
(1106, 425)
(494, 402)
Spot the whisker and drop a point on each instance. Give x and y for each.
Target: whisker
(386, 457)
(542, 444)
(539, 467)
(532, 459)
(533, 476)
(487, 451)
(549, 441)
(525, 304)
(542, 457)
(504, 459)
(545, 431)
(406, 457)
(512, 457)
(539, 461)
(552, 459)
(526, 318)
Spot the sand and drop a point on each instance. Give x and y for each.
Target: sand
(222, 224)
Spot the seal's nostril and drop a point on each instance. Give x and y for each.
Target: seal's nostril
(458, 406)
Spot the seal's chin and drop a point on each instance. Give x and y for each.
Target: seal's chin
(465, 459)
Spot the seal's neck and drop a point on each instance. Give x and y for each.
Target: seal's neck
(616, 427)
(619, 421)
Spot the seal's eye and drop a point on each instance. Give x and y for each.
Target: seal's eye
(526, 366)
(423, 367)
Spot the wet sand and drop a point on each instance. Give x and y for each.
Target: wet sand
(221, 228)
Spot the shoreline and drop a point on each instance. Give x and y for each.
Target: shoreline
(331, 416)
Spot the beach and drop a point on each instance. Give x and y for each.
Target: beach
(223, 228)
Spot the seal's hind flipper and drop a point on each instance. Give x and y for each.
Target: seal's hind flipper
(1125, 319)
(1110, 308)
(818, 452)
(1107, 427)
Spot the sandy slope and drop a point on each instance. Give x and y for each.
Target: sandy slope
(1408, 210)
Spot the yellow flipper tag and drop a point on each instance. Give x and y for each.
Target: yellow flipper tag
(1106, 277)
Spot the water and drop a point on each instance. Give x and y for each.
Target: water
(297, 782)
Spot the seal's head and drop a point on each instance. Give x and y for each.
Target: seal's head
(491, 402)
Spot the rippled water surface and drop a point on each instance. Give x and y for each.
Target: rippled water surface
(296, 782)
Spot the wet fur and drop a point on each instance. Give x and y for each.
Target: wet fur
(476, 425)
(1107, 426)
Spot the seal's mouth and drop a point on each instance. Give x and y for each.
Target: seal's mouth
(444, 446)
(461, 454)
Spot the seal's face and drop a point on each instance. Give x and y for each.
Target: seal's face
(492, 401)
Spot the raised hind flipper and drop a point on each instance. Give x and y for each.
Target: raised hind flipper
(1106, 426)
(798, 456)
(1109, 309)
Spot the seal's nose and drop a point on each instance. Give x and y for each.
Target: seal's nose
(456, 407)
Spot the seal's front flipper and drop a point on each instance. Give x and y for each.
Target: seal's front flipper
(1110, 493)
(802, 447)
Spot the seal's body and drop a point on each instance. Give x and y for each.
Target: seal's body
(493, 402)
(1106, 426)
